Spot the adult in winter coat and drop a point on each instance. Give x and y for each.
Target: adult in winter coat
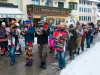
(42, 34)
(83, 36)
(79, 31)
(72, 41)
(88, 36)
(3, 38)
(29, 40)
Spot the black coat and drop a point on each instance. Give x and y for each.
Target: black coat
(43, 39)
(72, 41)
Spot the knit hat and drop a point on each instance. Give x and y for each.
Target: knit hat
(3, 23)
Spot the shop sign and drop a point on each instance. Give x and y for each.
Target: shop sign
(8, 16)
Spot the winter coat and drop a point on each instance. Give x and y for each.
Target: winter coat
(72, 41)
(88, 35)
(43, 39)
(29, 35)
(80, 33)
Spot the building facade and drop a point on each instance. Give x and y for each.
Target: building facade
(55, 10)
(87, 11)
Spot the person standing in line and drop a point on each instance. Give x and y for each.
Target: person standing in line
(79, 31)
(72, 41)
(88, 36)
(83, 36)
(42, 34)
(3, 38)
(29, 40)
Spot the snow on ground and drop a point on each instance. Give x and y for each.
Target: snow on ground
(87, 63)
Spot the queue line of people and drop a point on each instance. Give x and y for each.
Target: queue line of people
(61, 39)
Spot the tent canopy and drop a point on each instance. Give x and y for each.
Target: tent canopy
(10, 13)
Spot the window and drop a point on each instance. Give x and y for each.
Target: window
(80, 2)
(80, 9)
(79, 17)
(82, 18)
(84, 9)
(35, 2)
(61, 4)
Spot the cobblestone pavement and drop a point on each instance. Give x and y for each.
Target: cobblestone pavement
(20, 69)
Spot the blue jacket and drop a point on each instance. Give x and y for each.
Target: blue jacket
(88, 35)
(29, 36)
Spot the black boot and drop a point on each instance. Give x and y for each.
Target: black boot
(78, 51)
(82, 47)
(44, 65)
(30, 64)
(41, 66)
(75, 49)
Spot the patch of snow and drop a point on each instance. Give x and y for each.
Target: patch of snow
(87, 63)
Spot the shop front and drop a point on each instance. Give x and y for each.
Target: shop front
(9, 11)
(54, 15)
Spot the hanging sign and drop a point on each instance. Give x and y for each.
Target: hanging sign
(7, 16)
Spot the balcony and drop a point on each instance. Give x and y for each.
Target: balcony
(48, 11)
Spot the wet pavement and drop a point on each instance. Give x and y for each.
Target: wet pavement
(20, 69)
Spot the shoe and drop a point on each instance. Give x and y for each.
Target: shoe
(44, 65)
(11, 64)
(26, 64)
(30, 64)
(41, 66)
(70, 58)
(60, 68)
(78, 51)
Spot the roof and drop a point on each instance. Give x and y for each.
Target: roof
(8, 5)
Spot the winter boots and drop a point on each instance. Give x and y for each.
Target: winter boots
(78, 51)
(43, 65)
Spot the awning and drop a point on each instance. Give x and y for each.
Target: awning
(10, 13)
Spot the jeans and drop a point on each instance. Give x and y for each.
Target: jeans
(61, 59)
(12, 53)
(88, 42)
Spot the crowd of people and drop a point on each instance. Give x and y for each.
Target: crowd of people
(59, 38)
